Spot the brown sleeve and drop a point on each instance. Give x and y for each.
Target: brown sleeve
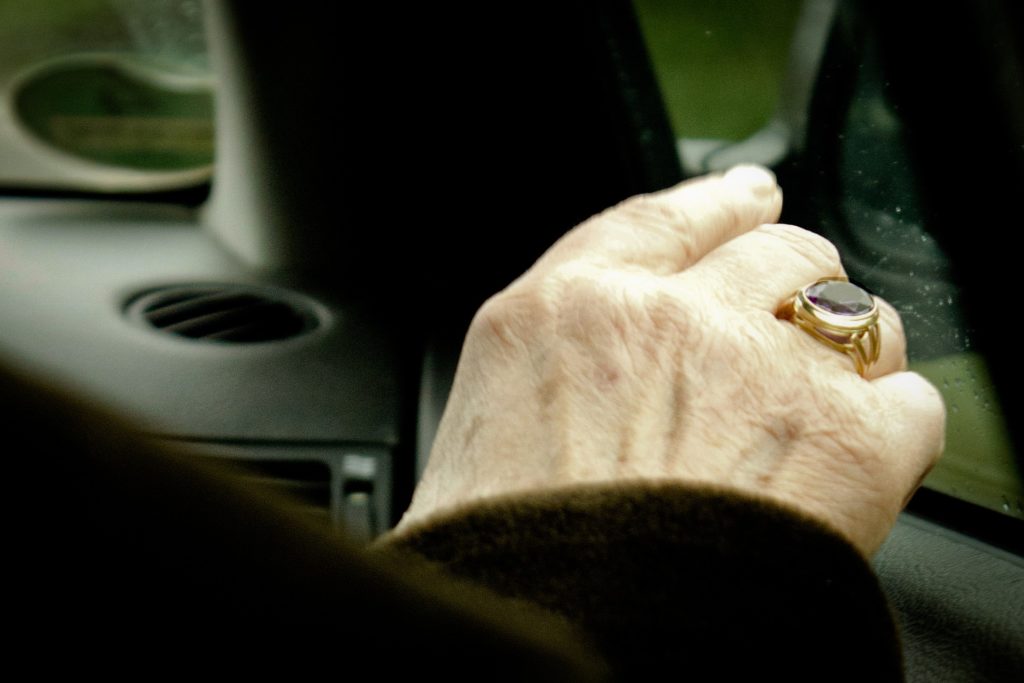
(123, 555)
(678, 583)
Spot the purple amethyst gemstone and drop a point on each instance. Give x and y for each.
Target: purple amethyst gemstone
(841, 298)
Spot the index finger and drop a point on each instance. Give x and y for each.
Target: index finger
(667, 231)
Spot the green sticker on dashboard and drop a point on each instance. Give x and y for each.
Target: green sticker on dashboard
(117, 114)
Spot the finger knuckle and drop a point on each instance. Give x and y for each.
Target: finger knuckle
(891, 317)
(602, 306)
(656, 214)
(810, 245)
(649, 208)
(582, 293)
(933, 410)
(510, 317)
(668, 320)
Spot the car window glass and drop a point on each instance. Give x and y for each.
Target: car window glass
(887, 246)
(722, 71)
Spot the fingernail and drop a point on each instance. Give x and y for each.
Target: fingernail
(758, 179)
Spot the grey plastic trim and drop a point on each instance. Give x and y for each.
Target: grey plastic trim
(960, 603)
(368, 466)
(67, 270)
(243, 211)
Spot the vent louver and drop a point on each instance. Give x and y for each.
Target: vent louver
(223, 313)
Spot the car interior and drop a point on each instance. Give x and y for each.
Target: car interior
(259, 231)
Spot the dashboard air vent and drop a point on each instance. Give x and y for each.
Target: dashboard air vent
(223, 313)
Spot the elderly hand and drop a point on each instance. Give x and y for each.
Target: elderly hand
(645, 345)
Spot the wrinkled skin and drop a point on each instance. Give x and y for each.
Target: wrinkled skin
(645, 345)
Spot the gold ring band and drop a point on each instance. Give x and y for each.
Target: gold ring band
(840, 315)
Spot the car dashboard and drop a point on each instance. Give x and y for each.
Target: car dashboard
(355, 239)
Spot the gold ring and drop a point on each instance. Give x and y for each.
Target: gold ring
(840, 315)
